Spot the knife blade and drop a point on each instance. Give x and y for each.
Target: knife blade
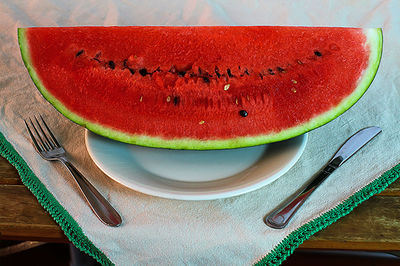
(281, 216)
(356, 142)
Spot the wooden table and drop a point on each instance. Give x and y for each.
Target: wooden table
(374, 225)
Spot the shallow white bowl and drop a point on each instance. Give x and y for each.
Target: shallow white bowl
(194, 175)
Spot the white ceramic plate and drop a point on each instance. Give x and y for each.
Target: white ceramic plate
(194, 175)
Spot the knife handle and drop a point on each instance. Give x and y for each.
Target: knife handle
(281, 216)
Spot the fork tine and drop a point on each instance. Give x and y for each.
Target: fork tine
(46, 148)
(38, 147)
(48, 142)
(51, 133)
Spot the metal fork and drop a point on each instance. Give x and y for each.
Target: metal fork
(49, 149)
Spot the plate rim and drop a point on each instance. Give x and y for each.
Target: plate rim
(203, 195)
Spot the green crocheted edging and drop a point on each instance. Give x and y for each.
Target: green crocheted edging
(50, 204)
(297, 237)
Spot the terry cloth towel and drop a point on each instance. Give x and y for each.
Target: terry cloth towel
(158, 231)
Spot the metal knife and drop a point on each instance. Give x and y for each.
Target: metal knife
(281, 216)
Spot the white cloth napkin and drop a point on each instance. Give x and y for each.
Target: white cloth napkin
(218, 232)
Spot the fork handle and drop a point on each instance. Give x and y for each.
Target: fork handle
(100, 206)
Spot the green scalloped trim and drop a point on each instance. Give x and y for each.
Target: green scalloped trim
(297, 237)
(275, 257)
(50, 204)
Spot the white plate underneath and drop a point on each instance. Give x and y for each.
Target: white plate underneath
(194, 175)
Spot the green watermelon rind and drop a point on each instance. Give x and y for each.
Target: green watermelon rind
(374, 40)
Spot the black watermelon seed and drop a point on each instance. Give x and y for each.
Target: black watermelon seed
(247, 72)
(176, 100)
(111, 64)
(125, 63)
(143, 72)
(228, 71)
(261, 75)
(206, 79)
(317, 53)
(280, 69)
(181, 73)
(94, 58)
(217, 72)
(172, 69)
(131, 70)
(243, 113)
(79, 53)
(270, 71)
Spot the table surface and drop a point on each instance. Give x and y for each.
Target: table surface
(374, 225)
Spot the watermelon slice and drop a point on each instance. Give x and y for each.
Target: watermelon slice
(201, 87)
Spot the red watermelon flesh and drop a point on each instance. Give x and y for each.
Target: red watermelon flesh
(201, 87)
